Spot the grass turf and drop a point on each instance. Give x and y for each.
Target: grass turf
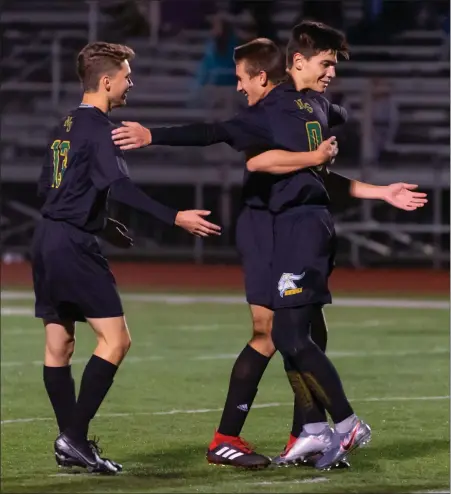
(169, 392)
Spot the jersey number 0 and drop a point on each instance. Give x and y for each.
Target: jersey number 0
(60, 153)
(314, 134)
(315, 138)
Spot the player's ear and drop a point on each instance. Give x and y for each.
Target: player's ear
(105, 82)
(263, 78)
(298, 61)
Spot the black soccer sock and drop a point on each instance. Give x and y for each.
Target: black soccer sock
(60, 387)
(96, 381)
(246, 375)
(291, 335)
(318, 329)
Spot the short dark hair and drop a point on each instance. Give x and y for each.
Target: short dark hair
(259, 55)
(99, 58)
(310, 38)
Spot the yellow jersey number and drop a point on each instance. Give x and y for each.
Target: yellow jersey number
(315, 138)
(60, 153)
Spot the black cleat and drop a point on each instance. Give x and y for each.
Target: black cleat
(95, 446)
(235, 452)
(81, 453)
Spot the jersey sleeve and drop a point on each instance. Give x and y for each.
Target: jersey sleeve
(337, 115)
(45, 178)
(108, 163)
(197, 134)
(47, 169)
(249, 130)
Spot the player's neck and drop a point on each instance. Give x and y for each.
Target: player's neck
(97, 100)
(268, 89)
(299, 84)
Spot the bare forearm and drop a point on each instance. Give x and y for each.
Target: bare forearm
(280, 162)
(362, 190)
(339, 185)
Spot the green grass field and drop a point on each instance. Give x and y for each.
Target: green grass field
(165, 403)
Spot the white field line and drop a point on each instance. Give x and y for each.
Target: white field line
(16, 311)
(230, 356)
(350, 354)
(210, 410)
(343, 325)
(313, 480)
(233, 299)
(430, 492)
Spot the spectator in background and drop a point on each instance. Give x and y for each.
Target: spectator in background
(372, 10)
(217, 67)
(385, 117)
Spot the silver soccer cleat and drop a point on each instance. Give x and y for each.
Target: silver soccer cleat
(343, 443)
(306, 445)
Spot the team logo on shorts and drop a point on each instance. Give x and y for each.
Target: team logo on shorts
(287, 285)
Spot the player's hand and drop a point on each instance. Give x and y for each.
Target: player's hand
(192, 221)
(131, 136)
(327, 151)
(115, 233)
(401, 196)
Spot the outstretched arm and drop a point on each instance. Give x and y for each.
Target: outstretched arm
(400, 195)
(109, 171)
(126, 192)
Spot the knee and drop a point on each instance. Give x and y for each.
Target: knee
(261, 335)
(61, 350)
(117, 346)
(122, 345)
(290, 332)
(319, 329)
(262, 325)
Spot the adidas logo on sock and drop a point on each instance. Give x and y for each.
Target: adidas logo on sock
(243, 407)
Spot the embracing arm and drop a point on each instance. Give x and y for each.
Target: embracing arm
(279, 162)
(133, 135)
(245, 130)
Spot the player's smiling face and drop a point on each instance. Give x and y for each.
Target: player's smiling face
(119, 84)
(317, 71)
(253, 87)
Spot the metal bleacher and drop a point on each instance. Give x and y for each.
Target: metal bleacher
(39, 86)
(164, 73)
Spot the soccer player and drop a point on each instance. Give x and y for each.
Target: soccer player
(257, 79)
(72, 280)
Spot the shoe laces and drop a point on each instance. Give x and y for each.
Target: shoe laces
(243, 445)
(94, 443)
